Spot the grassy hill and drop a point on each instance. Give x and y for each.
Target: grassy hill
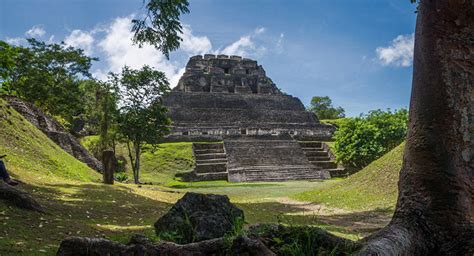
(32, 156)
(374, 187)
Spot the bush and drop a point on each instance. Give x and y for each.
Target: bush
(361, 140)
(121, 176)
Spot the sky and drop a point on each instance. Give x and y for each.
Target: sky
(357, 52)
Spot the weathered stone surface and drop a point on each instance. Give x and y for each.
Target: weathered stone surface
(219, 96)
(54, 131)
(141, 246)
(198, 217)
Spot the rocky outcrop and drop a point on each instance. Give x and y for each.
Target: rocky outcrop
(54, 131)
(198, 217)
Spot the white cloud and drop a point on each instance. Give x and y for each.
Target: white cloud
(194, 44)
(80, 39)
(36, 31)
(252, 45)
(399, 52)
(120, 51)
(15, 40)
(113, 44)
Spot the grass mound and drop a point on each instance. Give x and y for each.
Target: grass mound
(374, 187)
(32, 156)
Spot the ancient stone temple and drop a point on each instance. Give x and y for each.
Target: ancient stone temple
(259, 133)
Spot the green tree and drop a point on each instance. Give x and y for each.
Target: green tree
(100, 115)
(361, 140)
(48, 75)
(323, 109)
(160, 25)
(142, 118)
(8, 54)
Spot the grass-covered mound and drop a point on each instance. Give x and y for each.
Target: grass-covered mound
(32, 156)
(374, 187)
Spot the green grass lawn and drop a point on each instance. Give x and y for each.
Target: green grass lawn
(77, 204)
(374, 187)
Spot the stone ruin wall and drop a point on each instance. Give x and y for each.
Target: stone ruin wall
(222, 73)
(224, 95)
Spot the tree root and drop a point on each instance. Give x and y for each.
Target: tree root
(19, 198)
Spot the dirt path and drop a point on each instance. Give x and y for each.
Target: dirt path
(361, 222)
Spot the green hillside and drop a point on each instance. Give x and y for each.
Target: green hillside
(374, 187)
(32, 156)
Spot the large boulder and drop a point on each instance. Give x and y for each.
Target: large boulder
(198, 217)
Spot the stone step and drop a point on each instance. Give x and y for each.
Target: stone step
(200, 146)
(282, 176)
(313, 149)
(211, 156)
(315, 153)
(208, 151)
(324, 164)
(212, 161)
(210, 168)
(210, 176)
(338, 172)
(318, 158)
(311, 144)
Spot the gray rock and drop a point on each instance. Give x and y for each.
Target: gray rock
(198, 217)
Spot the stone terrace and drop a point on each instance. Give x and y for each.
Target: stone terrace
(229, 99)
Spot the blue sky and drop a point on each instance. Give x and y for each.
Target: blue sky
(358, 52)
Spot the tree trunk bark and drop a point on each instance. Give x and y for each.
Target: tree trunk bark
(137, 162)
(434, 212)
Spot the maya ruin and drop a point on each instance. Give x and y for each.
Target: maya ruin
(258, 133)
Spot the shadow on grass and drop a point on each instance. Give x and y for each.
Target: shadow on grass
(93, 210)
(355, 224)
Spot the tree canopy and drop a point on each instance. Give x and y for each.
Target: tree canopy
(142, 118)
(322, 107)
(160, 26)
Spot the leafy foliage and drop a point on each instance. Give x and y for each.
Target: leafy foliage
(361, 140)
(160, 26)
(47, 75)
(323, 109)
(7, 61)
(142, 118)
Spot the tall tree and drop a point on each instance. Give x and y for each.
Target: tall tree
(160, 25)
(435, 212)
(48, 75)
(322, 107)
(142, 118)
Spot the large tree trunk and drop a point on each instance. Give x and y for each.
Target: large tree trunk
(434, 212)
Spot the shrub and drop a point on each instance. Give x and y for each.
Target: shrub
(121, 176)
(361, 140)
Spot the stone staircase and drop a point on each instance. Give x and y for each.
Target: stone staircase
(318, 154)
(211, 161)
(268, 158)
